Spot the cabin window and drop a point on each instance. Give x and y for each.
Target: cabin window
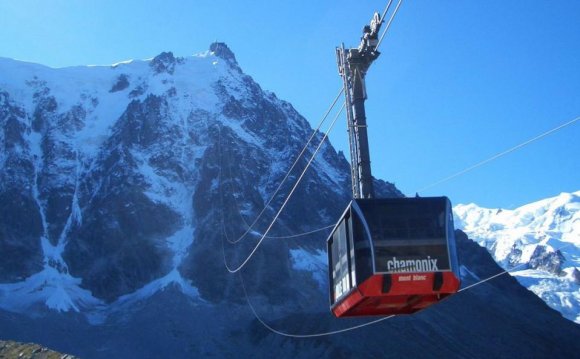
(362, 249)
(408, 236)
(340, 261)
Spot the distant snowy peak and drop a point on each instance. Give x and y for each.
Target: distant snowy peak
(538, 242)
(558, 213)
(553, 224)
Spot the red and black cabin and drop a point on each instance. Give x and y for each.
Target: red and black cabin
(392, 256)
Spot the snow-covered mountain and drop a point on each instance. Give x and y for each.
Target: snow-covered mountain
(110, 174)
(121, 188)
(538, 243)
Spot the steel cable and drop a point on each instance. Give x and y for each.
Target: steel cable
(287, 197)
(322, 334)
(290, 170)
(498, 155)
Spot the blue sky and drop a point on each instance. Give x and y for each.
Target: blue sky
(457, 81)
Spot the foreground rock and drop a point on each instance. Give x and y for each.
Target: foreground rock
(10, 349)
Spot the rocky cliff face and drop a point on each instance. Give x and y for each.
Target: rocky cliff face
(20, 221)
(126, 189)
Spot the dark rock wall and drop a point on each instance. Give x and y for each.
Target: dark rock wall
(20, 221)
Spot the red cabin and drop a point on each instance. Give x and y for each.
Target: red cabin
(392, 256)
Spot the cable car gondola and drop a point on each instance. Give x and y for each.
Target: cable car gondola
(392, 256)
(386, 255)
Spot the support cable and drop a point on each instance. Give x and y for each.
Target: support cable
(290, 170)
(305, 335)
(386, 9)
(501, 154)
(256, 233)
(322, 334)
(234, 270)
(301, 234)
(389, 22)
